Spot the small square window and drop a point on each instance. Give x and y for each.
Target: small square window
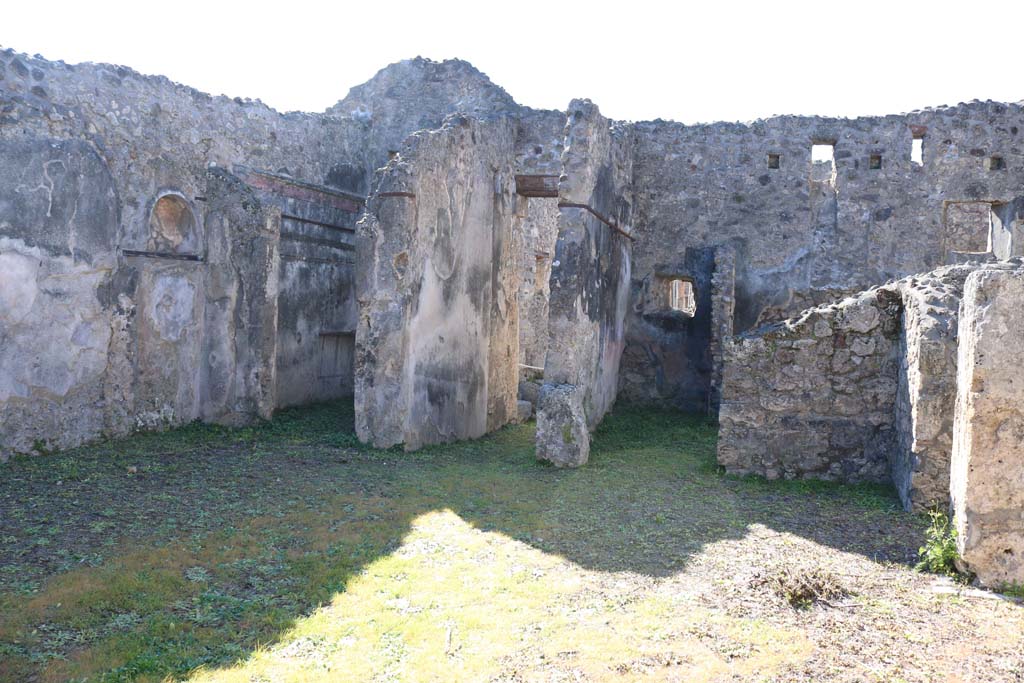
(681, 297)
(774, 160)
(875, 162)
(995, 163)
(823, 153)
(823, 162)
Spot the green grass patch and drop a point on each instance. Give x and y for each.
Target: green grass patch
(286, 547)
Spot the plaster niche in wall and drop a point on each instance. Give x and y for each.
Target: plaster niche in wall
(172, 226)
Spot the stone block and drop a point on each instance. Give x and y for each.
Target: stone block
(524, 411)
(563, 438)
(529, 391)
(860, 316)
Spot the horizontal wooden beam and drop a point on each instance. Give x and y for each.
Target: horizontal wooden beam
(162, 254)
(297, 189)
(604, 219)
(537, 185)
(321, 224)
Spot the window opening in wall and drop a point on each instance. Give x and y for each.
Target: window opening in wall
(681, 297)
(823, 162)
(995, 163)
(875, 162)
(823, 153)
(774, 160)
(917, 150)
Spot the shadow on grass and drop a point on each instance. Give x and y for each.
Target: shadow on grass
(150, 556)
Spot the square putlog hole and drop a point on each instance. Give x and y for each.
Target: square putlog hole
(774, 160)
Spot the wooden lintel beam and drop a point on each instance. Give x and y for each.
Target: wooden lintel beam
(537, 185)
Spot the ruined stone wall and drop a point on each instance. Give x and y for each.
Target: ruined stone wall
(1008, 229)
(806, 236)
(437, 343)
(412, 95)
(722, 315)
(839, 388)
(316, 287)
(927, 386)
(539, 147)
(589, 283)
(155, 134)
(103, 208)
(239, 306)
(987, 481)
(538, 227)
(92, 150)
(115, 286)
(55, 299)
(814, 396)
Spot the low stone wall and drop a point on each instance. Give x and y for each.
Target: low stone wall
(814, 396)
(861, 389)
(987, 482)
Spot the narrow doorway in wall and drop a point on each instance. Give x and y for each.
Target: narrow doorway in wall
(337, 351)
(967, 228)
(537, 215)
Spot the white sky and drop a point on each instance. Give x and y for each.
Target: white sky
(637, 60)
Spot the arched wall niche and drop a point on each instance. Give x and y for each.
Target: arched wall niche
(173, 227)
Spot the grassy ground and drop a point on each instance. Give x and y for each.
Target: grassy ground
(286, 552)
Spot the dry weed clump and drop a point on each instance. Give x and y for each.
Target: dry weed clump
(801, 586)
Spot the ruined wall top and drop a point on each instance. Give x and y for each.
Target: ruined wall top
(411, 94)
(433, 88)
